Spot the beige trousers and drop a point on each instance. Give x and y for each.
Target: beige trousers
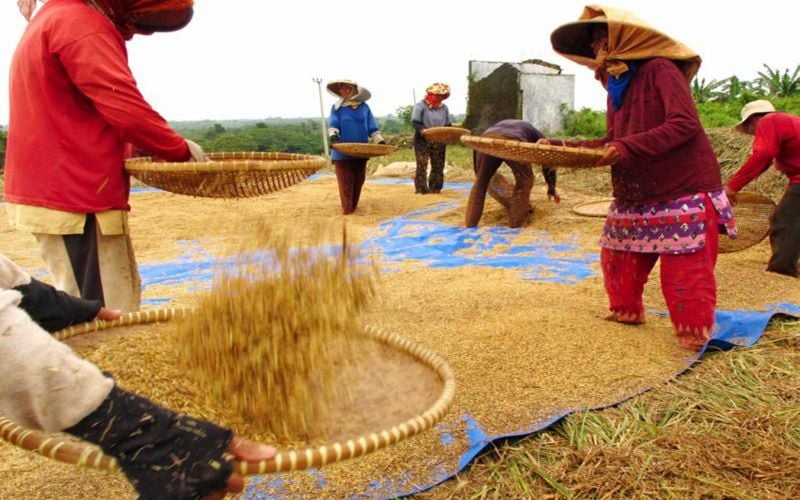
(119, 274)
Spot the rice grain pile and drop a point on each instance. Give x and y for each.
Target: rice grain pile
(275, 328)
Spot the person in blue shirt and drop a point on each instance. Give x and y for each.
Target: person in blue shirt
(350, 120)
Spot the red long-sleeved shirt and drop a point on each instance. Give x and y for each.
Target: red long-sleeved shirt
(74, 105)
(665, 153)
(777, 138)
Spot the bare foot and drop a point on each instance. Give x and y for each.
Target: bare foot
(627, 318)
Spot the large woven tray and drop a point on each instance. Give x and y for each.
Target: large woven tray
(363, 149)
(66, 449)
(227, 175)
(539, 154)
(752, 214)
(444, 135)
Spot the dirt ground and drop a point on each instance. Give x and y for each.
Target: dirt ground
(524, 344)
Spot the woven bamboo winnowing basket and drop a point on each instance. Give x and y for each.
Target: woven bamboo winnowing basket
(66, 449)
(593, 208)
(444, 135)
(538, 154)
(363, 149)
(227, 175)
(752, 214)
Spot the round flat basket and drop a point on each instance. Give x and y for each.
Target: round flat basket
(752, 214)
(593, 208)
(65, 448)
(227, 175)
(539, 154)
(363, 149)
(444, 135)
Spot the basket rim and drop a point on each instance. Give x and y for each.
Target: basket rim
(576, 209)
(598, 152)
(87, 455)
(225, 164)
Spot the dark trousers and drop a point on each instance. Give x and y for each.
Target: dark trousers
(84, 257)
(424, 151)
(784, 234)
(519, 202)
(350, 175)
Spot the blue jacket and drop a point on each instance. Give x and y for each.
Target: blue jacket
(355, 125)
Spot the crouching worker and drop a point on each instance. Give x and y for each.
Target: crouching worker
(44, 385)
(517, 198)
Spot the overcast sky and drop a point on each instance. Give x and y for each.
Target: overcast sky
(258, 58)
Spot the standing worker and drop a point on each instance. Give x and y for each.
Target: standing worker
(430, 112)
(777, 138)
(74, 106)
(668, 196)
(351, 120)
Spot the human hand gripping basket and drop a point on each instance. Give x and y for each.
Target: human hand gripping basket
(65, 448)
(539, 154)
(227, 175)
(444, 135)
(363, 149)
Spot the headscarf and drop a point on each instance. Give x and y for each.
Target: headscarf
(134, 16)
(629, 39)
(360, 94)
(436, 93)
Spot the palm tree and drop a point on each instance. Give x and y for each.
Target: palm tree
(777, 84)
(703, 92)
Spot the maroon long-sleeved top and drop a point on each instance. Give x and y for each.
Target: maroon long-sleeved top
(777, 138)
(665, 154)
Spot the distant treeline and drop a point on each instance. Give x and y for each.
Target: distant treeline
(284, 135)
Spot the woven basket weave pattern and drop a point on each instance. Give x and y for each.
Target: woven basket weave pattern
(363, 149)
(752, 214)
(539, 154)
(444, 135)
(228, 175)
(66, 449)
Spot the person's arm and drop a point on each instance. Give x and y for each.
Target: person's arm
(53, 309)
(681, 122)
(448, 122)
(372, 128)
(416, 121)
(550, 177)
(765, 149)
(97, 65)
(333, 126)
(44, 385)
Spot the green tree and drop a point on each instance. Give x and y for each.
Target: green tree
(703, 92)
(404, 114)
(587, 123)
(777, 84)
(2, 149)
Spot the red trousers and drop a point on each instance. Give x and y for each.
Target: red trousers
(350, 175)
(687, 282)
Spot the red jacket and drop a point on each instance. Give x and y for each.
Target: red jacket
(74, 104)
(664, 149)
(777, 138)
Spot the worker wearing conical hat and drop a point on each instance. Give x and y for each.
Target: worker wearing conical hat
(668, 198)
(74, 106)
(431, 111)
(350, 120)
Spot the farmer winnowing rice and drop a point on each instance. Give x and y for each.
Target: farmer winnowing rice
(431, 111)
(777, 138)
(518, 202)
(351, 120)
(669, 203)
(74, 105)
